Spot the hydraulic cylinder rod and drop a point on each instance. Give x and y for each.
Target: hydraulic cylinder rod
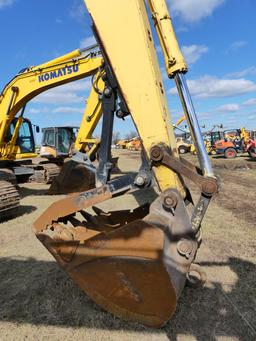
(176, 67)
(194, 127)
(67, 57)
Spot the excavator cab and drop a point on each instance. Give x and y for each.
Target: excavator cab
(58, 141)
(25, 142)
(216, 136)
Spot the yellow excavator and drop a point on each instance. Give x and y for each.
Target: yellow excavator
(135, 264)
(188, 146)
(18, 158)
(183, 145)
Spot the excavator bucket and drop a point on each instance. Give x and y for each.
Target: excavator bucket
(131, 263)
(74, 177)
(77, 177)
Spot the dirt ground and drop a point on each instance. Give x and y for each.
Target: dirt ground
(39, 302)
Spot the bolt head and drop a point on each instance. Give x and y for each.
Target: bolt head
(185, 248)
(139, 180)
(156, 154)
(170, 200)
(209, 187)
(107, 92)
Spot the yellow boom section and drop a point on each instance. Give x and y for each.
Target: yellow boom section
(182, 119)
(91, 117)
(174, 59)
(132, 55)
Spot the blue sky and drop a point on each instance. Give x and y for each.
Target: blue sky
(217, 38)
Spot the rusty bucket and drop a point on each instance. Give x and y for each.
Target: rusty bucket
(132, 263)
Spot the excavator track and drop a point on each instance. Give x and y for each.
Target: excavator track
(7, 174)
(9, 200)
(45, 173)
(52, 170)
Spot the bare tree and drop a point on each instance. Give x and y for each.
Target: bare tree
(115, 137)
(131, 135)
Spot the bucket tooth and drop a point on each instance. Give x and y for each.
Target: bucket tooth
(107, 221)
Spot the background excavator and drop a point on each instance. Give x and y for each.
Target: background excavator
(134, 144)
(135, 264)
(18, 158)
(58, 142)
(74, 175)
(183, 143)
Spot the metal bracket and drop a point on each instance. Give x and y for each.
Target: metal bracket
(207, 185)
(109, 97)
(180, 241)
(83, 158)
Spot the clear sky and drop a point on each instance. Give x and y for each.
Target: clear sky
(217, 38)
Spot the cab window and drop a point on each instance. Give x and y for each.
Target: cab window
(49, 139)
(25, 139)
(64, 139)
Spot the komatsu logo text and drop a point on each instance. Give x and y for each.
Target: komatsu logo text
(67, 70)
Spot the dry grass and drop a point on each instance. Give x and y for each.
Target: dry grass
(39, 302)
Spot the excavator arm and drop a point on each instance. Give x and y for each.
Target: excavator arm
(135, 263)
(78, 172)
(182, 119)
(35, 80)
(91, 117)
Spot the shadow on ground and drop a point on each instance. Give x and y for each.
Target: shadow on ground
(251, 159)
(25, 191)
(39, 293)
(18, 212)
(222, 156)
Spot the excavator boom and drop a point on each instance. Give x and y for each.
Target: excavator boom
(135, 264)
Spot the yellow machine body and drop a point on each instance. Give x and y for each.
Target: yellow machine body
(146, 92)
